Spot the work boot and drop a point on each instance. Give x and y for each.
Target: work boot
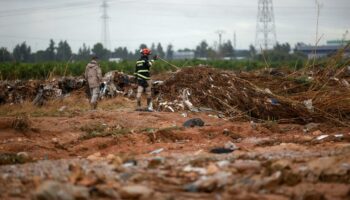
(149, 105)
(138, 108)
(93, 106)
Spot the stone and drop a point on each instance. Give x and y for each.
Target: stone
(94, 157)
(53, 190)
(223, 163)
(23, 155)
(310, 127)
(54, 140)
(230, 145)
(155, 162)
(247, 165)
(281, 165)
(317, 133)
(114, 160)
(136, 192)
(212, 169)
(209, 184)
(270, 182)
(107, 191)
(234, 136)
(193, 122)
(313, 195)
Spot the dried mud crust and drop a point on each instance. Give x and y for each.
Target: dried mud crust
(273, 162)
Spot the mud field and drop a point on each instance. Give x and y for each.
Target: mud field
(258, 141)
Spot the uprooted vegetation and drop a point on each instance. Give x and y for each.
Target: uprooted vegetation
(308, 95)
(325, 99)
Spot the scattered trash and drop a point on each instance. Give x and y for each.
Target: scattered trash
(157, 151)
(130, 163)
(230, 145)
(198, 152)
(321, 137)
(308, 105)
(267, 90)
(345, 83)
(193, 122)
(253, 125)
(221, 150)
(274, 101)
(63, 108)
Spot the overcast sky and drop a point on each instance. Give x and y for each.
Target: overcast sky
(183, 23)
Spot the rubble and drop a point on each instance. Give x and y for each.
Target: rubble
(136, 192)
(60, 191)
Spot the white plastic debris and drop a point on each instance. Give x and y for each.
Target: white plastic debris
(267, 90)
(170, 108)
(321, 137)
(308, 105)
(345, 83)
(253, 125)
(223, 163)
(339, 135)
(157, 151)
(230, 145)
(62, 108)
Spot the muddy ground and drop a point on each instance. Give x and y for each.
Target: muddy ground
(65, 151)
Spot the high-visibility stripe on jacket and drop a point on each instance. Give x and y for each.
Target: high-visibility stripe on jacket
(143, 68)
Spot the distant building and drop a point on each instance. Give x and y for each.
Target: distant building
(117, 60)
(329, 49)
(183, 55)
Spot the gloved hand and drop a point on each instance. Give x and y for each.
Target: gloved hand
(155, 57)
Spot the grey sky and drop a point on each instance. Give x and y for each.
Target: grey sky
(183, 23)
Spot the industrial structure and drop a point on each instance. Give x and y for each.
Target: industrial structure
(265, 37)
(105, 28)
(331, 48)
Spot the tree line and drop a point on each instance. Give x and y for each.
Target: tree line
(63, 52)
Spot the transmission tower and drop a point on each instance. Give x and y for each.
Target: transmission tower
(105, 29)
(234, 40)
(220, 32)
(265, 37)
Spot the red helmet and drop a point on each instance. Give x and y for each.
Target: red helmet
(146, 51)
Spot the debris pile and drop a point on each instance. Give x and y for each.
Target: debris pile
(115, 82)
(198, 87)
(38, 91)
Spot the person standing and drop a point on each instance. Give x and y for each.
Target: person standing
(143, 76)
(93, 75)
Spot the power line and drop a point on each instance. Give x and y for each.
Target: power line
(26, 11)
